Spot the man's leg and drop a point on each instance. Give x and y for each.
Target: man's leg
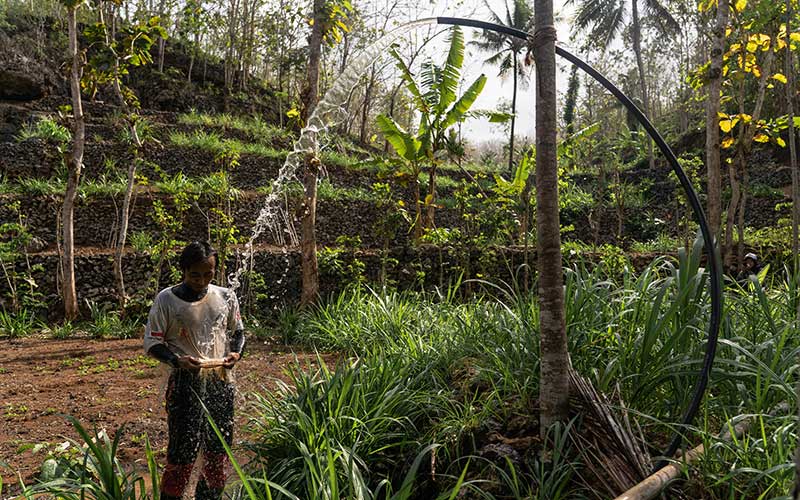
(184, 421)
(219, 402)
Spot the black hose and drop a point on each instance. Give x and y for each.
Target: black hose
(711, 249)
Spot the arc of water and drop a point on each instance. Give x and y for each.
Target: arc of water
(329, 112)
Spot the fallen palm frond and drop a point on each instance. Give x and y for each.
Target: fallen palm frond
(611, 451)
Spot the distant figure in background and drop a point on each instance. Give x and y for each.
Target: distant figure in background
(195, 328)
(751, 268)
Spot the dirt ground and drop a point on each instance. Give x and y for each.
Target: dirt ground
(105, 384)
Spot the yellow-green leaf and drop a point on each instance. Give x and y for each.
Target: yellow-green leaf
(727, 125)
(740, 5)
(780, 142)
(780, 77)
(727, 142)
(761, 138)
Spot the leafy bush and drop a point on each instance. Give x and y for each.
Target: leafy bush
(92, 469)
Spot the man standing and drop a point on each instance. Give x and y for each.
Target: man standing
(195, 327)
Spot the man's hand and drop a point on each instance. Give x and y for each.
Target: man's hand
(188, 363)
(231, 359)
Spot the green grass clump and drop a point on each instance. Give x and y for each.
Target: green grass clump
(215, 144)
(18, 324)
(254, 127)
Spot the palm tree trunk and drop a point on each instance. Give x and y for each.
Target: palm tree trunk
(554, 360)
(712, 121)
(308, 239)
(74, 164)
(636, 34)
(513, 121)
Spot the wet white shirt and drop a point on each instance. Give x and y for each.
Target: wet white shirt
(200, 329)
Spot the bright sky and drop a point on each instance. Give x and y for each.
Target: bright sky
(498, 89)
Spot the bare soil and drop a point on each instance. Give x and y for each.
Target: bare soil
(106, 384)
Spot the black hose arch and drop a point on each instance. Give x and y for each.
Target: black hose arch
(714, 261)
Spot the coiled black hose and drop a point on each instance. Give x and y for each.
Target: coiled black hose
(712, 253)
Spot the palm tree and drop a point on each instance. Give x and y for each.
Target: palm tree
(605, 20)
(554, 357)
(507, 51)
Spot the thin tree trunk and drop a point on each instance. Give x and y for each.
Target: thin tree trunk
(362, 134)
(599, 203)
(191, 65)
(308, 242)
(161, 48)
(554, 359)
(619, 204)
(712, 121)
(742, 208)
(743, 150)
(418, 219)
(74, 164)
(790, 96)
(636, 34)
(119, 277)
(733, 206)
(513, 121)
(430, 199)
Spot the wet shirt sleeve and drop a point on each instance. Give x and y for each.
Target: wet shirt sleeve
(157, 324)
(234, 316)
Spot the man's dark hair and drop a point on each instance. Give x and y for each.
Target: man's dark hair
(196, 252)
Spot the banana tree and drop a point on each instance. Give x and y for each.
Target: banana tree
(435, 98)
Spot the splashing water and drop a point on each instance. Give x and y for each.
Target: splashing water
(329, 112)
(274, 216)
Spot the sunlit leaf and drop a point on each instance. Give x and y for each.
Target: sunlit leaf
(761, 138)
(780, 142)
(740, 5)
(727, 142)
(780, 77)
(728, 124)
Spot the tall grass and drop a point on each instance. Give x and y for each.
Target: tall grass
(642, 333)
(429, 386)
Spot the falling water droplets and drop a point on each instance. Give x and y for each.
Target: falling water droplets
(274, 216)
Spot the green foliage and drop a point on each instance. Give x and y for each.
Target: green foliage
(141, 241)
(62, 331)
(169, 220)
(48, 130)
(435, 99)
(112, 57)
(18, 324)
(16, 267)
(108, 323)
(91, 468)
(215, 144)
(254, 127)
(341, 262)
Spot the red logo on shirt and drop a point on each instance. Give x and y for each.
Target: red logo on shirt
(157, 334)
(184, 333)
